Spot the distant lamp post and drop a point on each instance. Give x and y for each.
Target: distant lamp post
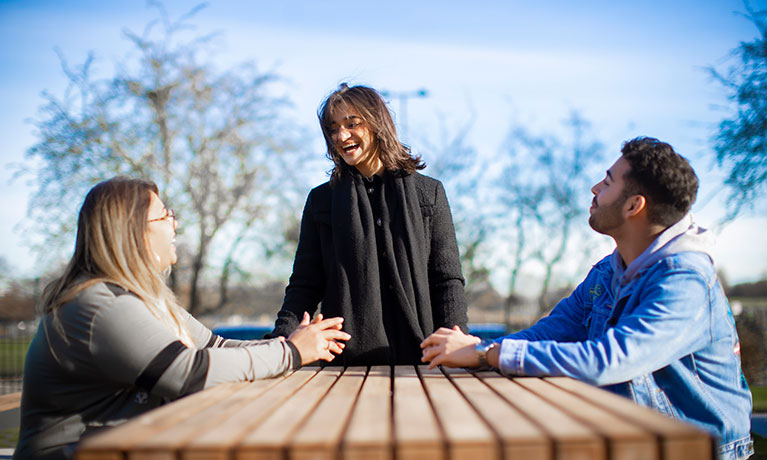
(403, 96)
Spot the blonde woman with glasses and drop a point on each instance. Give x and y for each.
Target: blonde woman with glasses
(113, 342)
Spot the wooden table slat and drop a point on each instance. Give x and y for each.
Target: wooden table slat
(10, 401)
(320, 434)
(416, 433)
(369, 434)
(678, 440)
(111, 444)
(520, 438)
(219, 440)
(572, 440)
(100, 455)
(268, 439)
(627, 441)
(465, 432)
(164, 443)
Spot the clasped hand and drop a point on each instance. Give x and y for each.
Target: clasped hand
(450, 347)
(319, 339)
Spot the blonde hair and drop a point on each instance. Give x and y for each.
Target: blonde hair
(111, 246)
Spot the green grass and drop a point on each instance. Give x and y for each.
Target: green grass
(12, 353)
(9, 437)
(760, 405)
(760, 398)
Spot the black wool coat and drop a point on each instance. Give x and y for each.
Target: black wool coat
(391, 269)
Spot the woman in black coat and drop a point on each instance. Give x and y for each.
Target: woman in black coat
(377, 244)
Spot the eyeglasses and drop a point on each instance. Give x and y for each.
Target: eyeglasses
(169, 214)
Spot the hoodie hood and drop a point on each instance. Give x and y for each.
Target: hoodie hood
(683, 236)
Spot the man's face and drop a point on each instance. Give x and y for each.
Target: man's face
(606, 212)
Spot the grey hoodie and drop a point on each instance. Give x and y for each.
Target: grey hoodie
(683, 236)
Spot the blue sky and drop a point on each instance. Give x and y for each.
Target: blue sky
(631, 68)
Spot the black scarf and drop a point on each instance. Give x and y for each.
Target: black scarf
(357, 265)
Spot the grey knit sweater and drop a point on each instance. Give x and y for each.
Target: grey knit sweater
(116, 360)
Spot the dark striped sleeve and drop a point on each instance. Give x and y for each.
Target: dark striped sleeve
(216, 341)
(195, 381)
(149, 377)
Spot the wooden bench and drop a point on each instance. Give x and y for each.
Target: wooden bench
(9, 410)
(401, 413)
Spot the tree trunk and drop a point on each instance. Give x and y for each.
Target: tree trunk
(514, 271)
(223, 285)
(542, 301)
(197, 265)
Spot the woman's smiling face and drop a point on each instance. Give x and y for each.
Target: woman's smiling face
(352, 138)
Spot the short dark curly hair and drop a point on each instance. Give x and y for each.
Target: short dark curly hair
(662, 176)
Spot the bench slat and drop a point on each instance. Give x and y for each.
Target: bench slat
(164, 444)
(416, 433)
(10, 401)
(626, 440)
(111, 443)
(219, 440)
(319, 436)
(571, 439)
(368, 436)
(268, 439)
(520, 437)
(95, 455)
(678, 440)
(466, 433)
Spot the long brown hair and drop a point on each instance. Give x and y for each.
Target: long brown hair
(111, 246)
(372, 109)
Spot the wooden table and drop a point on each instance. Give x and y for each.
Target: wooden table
(401, 413)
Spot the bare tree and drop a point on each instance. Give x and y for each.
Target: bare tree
(542, 200)
(457, 165)
(521, 209)
(740, 141)
(208, 138)
(515, 207)
(276, 240)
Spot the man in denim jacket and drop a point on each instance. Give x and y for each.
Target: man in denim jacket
(650, 321)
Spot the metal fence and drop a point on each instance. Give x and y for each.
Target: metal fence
(14, 342)
(752, 331)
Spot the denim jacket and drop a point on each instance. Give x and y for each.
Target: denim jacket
(659, 332)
